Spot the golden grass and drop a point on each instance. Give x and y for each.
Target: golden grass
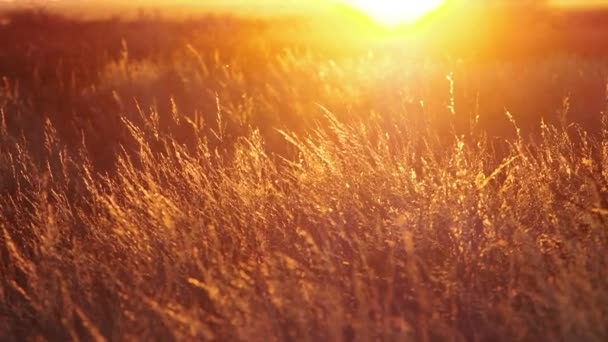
(227, 224)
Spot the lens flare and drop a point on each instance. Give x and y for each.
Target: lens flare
(396, 12)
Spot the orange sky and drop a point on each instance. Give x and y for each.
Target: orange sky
(309, 3)
(287, 3)
(256, 6)
(251, 3)
(581, 2)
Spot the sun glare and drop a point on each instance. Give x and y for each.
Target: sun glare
(396, 12)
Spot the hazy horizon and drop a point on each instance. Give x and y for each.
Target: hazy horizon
(258, 7)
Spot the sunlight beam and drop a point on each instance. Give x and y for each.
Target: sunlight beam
(395, 12)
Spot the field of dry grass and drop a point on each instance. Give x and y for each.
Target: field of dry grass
(213, 181)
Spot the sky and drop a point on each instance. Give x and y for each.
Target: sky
(247, 3)
(259, 6)
(582, 2)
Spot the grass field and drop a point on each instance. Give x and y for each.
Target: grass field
(230, 179)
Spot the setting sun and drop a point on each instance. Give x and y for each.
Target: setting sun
(395, 12)
(303, 170)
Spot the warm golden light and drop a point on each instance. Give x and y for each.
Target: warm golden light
(396, 12)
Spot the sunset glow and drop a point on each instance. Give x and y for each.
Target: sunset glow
(396, 12)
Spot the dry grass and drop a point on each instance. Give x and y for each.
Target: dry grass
(262, 215)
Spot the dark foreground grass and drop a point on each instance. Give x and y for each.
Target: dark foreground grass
(302, 197)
